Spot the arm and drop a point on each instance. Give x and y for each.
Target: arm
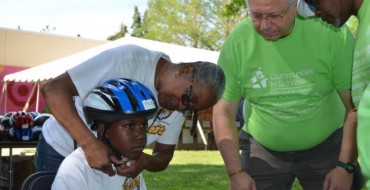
(338, 177)
(158, 161)
(58, 94)
(161, 157)
(348, 152)
(224, 128)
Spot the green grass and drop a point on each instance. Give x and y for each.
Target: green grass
(193, 170)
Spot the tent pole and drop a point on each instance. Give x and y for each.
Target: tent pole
(4, 95)
(201, 132)
(37, 96)
(30, 97)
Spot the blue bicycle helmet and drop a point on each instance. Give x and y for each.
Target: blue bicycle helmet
(38, 123)
(5, 120)
(21, 123)
(5, 126)
(118, 99)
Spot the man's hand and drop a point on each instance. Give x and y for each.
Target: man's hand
(242, 181)
(338, 178)
(99, 157)
(134, 167)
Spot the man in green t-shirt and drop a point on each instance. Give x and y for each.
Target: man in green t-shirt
(337, 12)
(294, 74)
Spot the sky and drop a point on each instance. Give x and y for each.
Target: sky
(92, 19)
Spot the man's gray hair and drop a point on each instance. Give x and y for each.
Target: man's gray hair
(292, 4)
(210, 74)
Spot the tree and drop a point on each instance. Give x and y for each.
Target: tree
(136, 27)
(119, 34)
(137, 30)
(232, 13)
(196, 23)
(235, 6)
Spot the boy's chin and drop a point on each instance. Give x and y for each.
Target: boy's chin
(133, 155)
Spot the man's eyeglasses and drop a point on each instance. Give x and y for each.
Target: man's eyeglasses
(188, 112)
(186, 100)
(274, 18)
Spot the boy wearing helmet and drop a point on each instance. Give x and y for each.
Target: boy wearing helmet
(178, 89)
(119, 110)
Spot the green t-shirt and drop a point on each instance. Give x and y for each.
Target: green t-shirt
(361, 55)
(291, 84)
(361, 88)
(363, 134)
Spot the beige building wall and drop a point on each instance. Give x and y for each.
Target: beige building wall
(29, 49)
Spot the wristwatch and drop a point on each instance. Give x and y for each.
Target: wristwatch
(349, 167)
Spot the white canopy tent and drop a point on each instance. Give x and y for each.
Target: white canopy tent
(54, 68)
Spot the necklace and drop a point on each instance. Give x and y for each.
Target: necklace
(156, 81)
(156, 117)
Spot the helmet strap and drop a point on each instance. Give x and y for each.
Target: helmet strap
(156, 117)
(104, 135)
(105, 140)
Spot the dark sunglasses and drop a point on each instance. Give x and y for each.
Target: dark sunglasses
(186, 99)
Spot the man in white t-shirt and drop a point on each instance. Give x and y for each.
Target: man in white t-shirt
(179, 89)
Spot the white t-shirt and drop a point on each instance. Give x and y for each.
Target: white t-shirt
(303, 9)
(128, 61)
(75, 173)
